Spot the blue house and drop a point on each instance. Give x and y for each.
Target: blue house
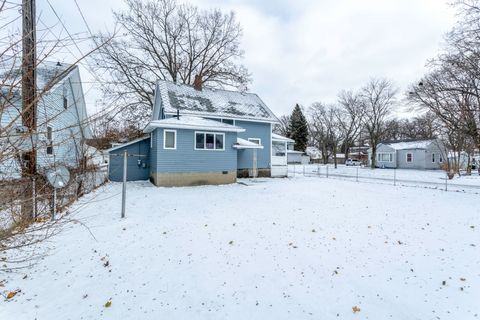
(203, 136)
(62, 123)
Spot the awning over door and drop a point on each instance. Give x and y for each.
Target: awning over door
(245, 144)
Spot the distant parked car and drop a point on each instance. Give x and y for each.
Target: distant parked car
(353, 162)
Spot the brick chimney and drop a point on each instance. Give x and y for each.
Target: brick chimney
(197, 84)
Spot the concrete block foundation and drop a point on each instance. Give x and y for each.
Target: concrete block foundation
(182, 179)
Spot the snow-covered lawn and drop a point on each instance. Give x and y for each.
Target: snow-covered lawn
(301, 248)
(432, 178)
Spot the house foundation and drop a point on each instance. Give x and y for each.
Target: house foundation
(182, 179)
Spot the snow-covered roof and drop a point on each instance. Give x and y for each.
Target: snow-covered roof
(189, 122)
(281, 138)
(294, 151)
(245, 144)
(409, 144)
(209, 103)
(127, 144)
(49, 73)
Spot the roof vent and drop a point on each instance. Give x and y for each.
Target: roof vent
(59, 64)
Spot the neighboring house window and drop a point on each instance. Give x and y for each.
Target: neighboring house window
(170, 139)
(65, 102)
(440, 159)
(433, 157)
(278, 149)
(409, 157)
(255, 140)
(49, 140)
(229, 121)
(385, 157)
(209, 141)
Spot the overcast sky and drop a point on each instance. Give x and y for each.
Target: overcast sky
(307, 50)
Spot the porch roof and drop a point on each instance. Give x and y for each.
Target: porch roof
(245, 144)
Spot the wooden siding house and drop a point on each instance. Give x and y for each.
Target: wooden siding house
(409, 154)
(205, 136)
(62, 125)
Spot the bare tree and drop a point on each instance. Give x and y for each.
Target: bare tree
(282, 128)
(350, 117)
(378, 97)
(163, 40)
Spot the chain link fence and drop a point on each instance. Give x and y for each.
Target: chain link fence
(433, 179)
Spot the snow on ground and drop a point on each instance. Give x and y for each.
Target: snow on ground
(410, 176)
(301, 248)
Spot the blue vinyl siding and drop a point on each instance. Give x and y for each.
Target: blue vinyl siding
(255, 130)
(186, 159)
(136, 170)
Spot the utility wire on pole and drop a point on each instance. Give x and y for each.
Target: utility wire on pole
(29, 116)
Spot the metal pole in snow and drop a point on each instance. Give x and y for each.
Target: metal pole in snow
(446, 181)
(124, 187)
(395, 176)
(304, 170)
(327, 170)
(54, 203)
(357, 174)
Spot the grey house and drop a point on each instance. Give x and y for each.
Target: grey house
(409, 154)
(62, 125)
(203, 136)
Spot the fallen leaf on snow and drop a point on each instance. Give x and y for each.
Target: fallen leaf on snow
(108, 304)
(11, 294)
(355, 309)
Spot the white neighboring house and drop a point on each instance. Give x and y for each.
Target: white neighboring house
(409, 154)
(62, 126)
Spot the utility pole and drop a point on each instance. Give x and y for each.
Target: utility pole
(29, 116)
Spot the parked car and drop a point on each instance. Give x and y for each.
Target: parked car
(353, 162)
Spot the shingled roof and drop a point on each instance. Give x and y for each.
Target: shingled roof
(209, 103)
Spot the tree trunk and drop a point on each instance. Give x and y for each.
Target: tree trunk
(335, 156)
(373, 156)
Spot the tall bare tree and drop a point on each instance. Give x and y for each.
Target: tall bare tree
(164, 40)
(378, 97)
(350, 117)
(282, 127)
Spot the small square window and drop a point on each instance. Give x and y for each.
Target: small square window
(169, 139)
(50, 149)
(256, 140)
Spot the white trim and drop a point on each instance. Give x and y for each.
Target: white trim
(206, 115)
(256, 139)
(153, 126)
(406, 157)
(245, 144)
(174, 139)
(205, 140)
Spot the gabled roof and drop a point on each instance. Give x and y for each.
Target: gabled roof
(209, 102)
(409, 144)
(194, 123)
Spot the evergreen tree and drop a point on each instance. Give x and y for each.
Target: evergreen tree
(298, 129)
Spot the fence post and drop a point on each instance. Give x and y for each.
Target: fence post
(124, 187)
(394, 176)
(446, 181)
(304, 170)
(357, 175)
(327, 170)
(318, 169)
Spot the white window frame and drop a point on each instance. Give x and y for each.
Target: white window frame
(406, 157)
(390, 157)
(205, 140)
(255, 139)
(165, 139)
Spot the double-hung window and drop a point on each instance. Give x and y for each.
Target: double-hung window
(433, 157)
(209, 141)
(409, 157)
(49, 140)
(169, 139)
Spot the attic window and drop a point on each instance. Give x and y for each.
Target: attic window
(49, 140)
(409, 157)
(65, 102)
